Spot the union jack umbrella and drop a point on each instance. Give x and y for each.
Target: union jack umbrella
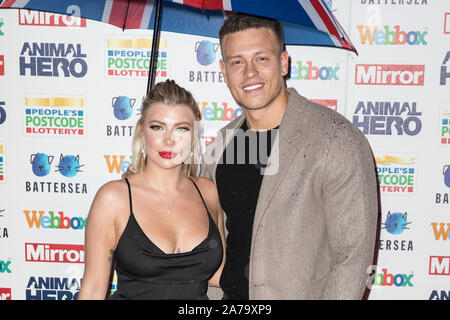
(305, 22)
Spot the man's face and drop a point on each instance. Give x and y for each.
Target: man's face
(253, 67)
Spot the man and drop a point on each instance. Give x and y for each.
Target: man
(303, 224)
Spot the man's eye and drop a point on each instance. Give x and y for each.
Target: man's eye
(236, 62)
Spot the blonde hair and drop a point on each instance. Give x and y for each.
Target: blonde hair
(169, 93)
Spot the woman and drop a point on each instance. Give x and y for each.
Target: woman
(161, 225)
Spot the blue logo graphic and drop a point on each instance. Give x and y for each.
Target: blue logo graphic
(2, 112)
(69, 165)
(123, 107)
(40, 163)
(206, 52)
(446, 174)
(396, 222)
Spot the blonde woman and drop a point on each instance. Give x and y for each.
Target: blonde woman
(162, 226)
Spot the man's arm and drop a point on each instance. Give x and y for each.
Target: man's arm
(351, 208)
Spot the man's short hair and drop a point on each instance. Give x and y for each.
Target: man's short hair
(241, 22)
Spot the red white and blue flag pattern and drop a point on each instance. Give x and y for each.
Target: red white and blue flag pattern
(305, 22)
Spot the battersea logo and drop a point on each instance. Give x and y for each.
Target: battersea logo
(49, 252)
(218, 111)
(439, 266)
(2, 163)
(2, 112)
(52, 288)
(117, 163)
(42, 18)
(395, 224)
(394, 2)
(46, 59)
(309, 71)
(442, 198)
(54, 116)
(122, 110)
(130, 58)
(396, 175)
(67, 166)
(390, 74)
(445, 72)
(205, 53)
(388, 35)
(53, 220)
(388, 118)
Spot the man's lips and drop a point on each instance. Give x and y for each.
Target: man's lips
(253, 87)
(167, 154)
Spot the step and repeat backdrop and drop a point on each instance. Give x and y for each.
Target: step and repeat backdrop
(71, 91)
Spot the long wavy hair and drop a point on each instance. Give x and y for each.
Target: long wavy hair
(169, 93)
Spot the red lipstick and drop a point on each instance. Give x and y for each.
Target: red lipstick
(167, 154)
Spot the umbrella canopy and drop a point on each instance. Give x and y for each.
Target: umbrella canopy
(305, 22)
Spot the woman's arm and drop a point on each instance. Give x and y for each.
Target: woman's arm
(100, 241)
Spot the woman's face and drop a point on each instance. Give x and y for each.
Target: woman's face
(168, 133)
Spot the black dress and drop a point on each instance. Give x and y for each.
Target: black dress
(144, 271)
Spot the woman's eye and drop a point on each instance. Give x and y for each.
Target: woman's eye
(156, 127)
(183, 129)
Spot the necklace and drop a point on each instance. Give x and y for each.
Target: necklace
(169, 207)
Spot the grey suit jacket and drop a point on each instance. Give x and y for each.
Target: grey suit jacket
(315, 222)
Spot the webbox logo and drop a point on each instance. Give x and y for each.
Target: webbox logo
(50, 252)
(390, 74)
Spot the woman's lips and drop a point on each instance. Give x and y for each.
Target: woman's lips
(167, 154)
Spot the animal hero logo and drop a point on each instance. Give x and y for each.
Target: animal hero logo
(388, 35)
(52, 220)
(396, 175)
(54, 116)
(42, 18)
(389, 74)
(130, 58)
(445, 73)
(68, 166)
(47, 59)
(52, 288)
(388, 118)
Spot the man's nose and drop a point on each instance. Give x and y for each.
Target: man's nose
(250, 70)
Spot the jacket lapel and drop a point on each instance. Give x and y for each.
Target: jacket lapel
(282, 154)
